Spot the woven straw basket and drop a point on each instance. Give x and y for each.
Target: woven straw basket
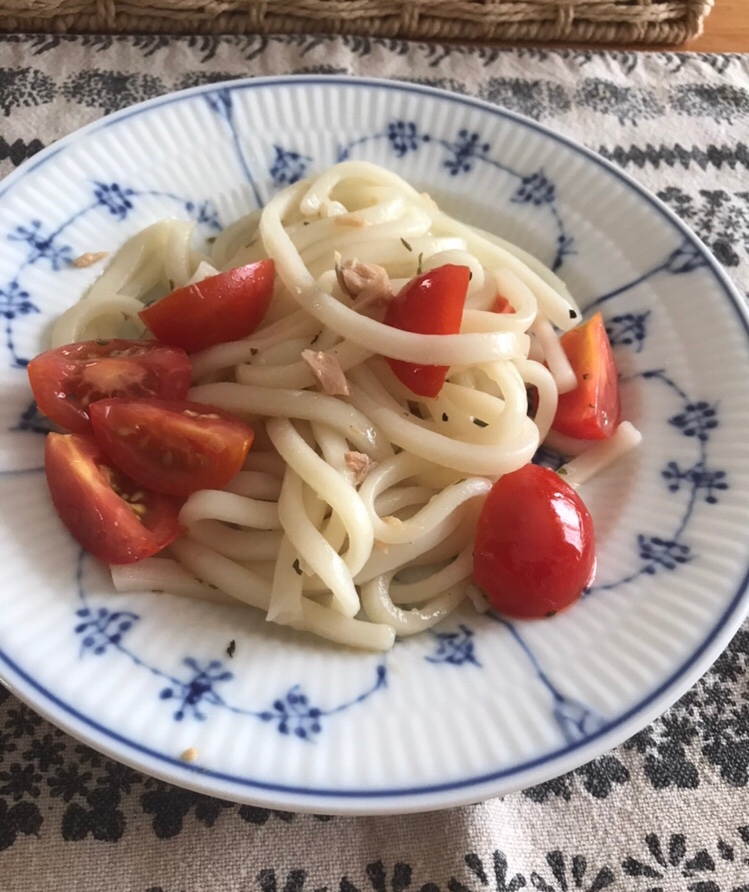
(581, 21)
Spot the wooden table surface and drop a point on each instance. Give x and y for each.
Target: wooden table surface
(726, 29)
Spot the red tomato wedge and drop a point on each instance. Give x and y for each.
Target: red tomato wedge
(534, 552)
(171, 446)
(221, 308)
(432, 303)
(111, 516)
(65, 381)
(592, 410)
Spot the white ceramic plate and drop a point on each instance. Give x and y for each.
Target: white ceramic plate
(478, 707)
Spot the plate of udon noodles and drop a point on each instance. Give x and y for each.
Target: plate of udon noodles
(314, 639)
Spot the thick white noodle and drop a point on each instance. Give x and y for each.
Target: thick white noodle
(470, 458)
(554, 356)
(405, 593)
(241, 583)
(379, 607)
(393, 530)
(600, 455)
(215, 569)
(224, 356)
(331, 488)
(298, 374)
(230, 508)
(234, 238)
(73, 327)
(285, 605)
(137, 268)
(246, 399)
(162, 575)
(538, 376)
(391, 558)
(247, 546)
(255, 485)
(179, 266)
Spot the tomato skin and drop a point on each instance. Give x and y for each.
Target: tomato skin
(502, 305)
(66, 380)
(81, 481)
(534, 552)
(221, 308)
(593, 410)
(171, 446)
(431, 303)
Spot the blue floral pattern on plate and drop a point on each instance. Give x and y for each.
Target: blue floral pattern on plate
(196, 689)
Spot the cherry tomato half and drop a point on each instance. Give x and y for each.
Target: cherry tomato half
(220, 308)
(66, 380)
(432, 303)
(592, 410)
(111, 516)
(534, 552)
(171, 446)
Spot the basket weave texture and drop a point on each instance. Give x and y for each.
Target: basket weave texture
(582, 21)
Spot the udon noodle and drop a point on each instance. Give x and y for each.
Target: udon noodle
(355, 513)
